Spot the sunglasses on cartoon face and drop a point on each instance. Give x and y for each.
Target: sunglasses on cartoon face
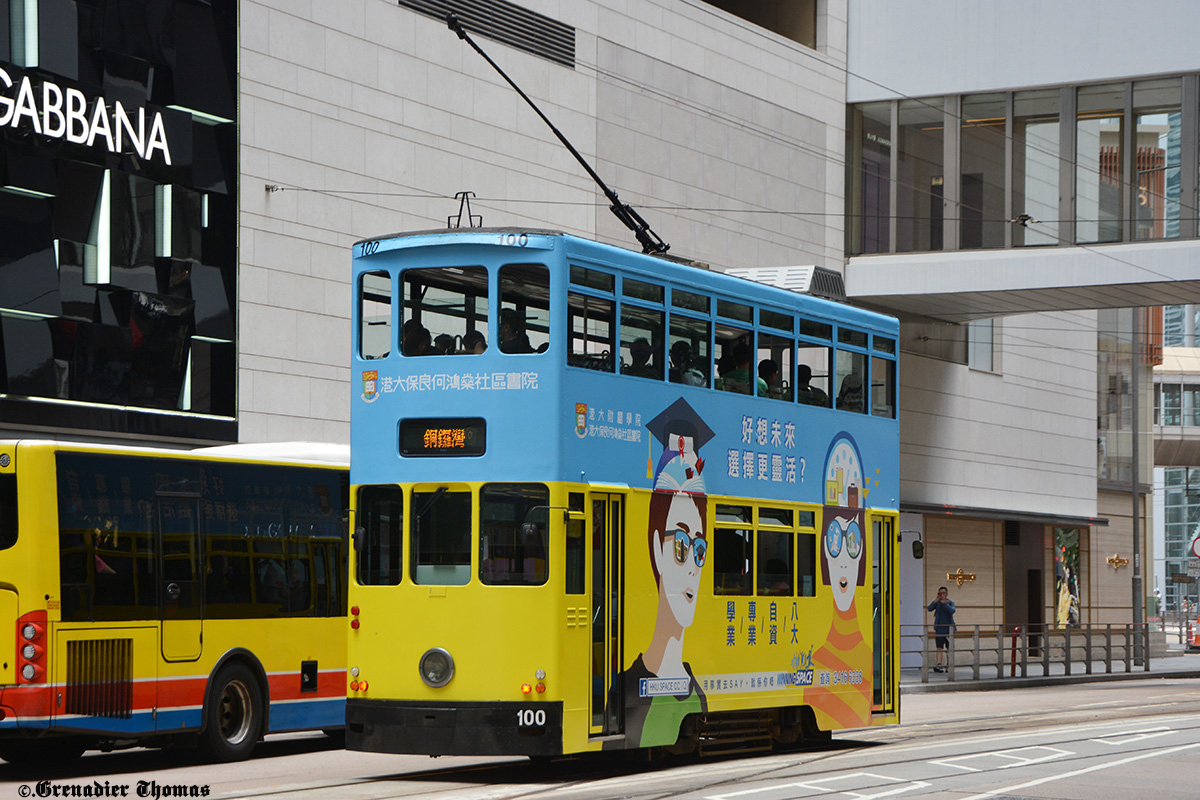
(836, 535)
(683, 541)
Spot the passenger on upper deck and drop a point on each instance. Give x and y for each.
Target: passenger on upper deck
(474, 343)
(513, 338)
(810, 395)
(682, 370)
(768, 378)
(739, 378)
(850, 397)
(415, 339)
(640, 352)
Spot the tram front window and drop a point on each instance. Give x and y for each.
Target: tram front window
(441, 537)
(445, 311)
(513, 540)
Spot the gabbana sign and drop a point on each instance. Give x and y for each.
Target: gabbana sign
(58, 113)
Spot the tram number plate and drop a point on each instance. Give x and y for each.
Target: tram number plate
(531, 718)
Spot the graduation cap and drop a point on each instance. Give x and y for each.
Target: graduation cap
(680, 419)
(673, 473)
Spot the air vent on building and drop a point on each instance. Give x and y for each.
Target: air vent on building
(1012, 533)
(816, 281)
(508, 24)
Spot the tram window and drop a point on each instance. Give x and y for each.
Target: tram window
(774, 363)
(812, 374)
(441, 537)
(738, 311)
(884, 344)
(375, 315)
(690, 363)
(850, 370)
(445, 309)
(883, 387)
(775, 569)
(773, 319)
(592, 278)
(379, 535)
(690, 301)
(524, 308)
(640, 290)
(576, 554)
(513, 534)
(775, 516)
(806, 564)
(735, 356)
(817, 330)
(852, 337)
(733, 557)
(591, 322)
(641, 342)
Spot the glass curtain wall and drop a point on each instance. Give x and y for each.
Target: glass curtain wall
(920, 175)
(870, 186)
(1157, 139)
(1099, 160)
(981, 198)
(1035, 167)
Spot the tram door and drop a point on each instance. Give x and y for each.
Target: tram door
(883, 557)
(179, 589)
(607, 535)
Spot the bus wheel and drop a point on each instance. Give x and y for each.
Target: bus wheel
(234, 715)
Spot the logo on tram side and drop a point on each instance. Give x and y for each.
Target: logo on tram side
(370, 380)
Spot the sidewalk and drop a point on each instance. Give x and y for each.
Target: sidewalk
(1176, 664)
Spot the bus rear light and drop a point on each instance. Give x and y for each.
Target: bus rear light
(354, 624)
(362, 686)
(354, 610)
(32, 672)
(354, 686)
(31, 631)
(541, 688)
(31, 652)
(526, 688)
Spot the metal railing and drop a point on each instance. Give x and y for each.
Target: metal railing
(982, 652)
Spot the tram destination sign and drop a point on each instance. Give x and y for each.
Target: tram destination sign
(443, 437)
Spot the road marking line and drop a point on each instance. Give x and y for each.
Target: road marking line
(1132, 736)
(1013, 756)
(1084, 771)
(816, 786)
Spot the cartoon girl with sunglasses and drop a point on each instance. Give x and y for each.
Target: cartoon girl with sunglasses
(661, 688)
(846, 702)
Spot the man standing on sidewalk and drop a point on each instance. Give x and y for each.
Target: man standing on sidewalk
(943, 620)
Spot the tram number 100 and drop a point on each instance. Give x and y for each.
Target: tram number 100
(531, 718)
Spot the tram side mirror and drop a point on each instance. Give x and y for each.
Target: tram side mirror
(918, 549)
(356, 539)
(528, 530)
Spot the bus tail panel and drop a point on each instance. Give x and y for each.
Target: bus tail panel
(458, 729)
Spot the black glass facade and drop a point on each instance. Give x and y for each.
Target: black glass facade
(118, 216)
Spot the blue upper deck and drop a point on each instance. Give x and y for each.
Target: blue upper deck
(618, 359)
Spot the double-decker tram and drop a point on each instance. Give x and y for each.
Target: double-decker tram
(161, 597)
(605, 501)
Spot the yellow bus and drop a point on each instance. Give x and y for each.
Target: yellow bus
(165, 597)
(603, 501)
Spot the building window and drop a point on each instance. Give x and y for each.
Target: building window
(981, 199)
(1157, 145)
(1035, 167)
(1099, 161)
(920, 179)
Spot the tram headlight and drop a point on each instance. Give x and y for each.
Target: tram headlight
(436, 667)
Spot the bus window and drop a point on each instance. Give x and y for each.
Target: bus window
(441, 537)
(690, 364)
(444, 308)
(806, 563)
(883, 387)
(107, 551)
(735, 355)
(379, 535)
(851, 368)
(8, 511)
(650, 292)
(641, 342)
(775, 365)
(513, 534)
(524, 308)
(690, 301)
(733, 551)
(375, 315)
(591, 329)
(812, 374)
